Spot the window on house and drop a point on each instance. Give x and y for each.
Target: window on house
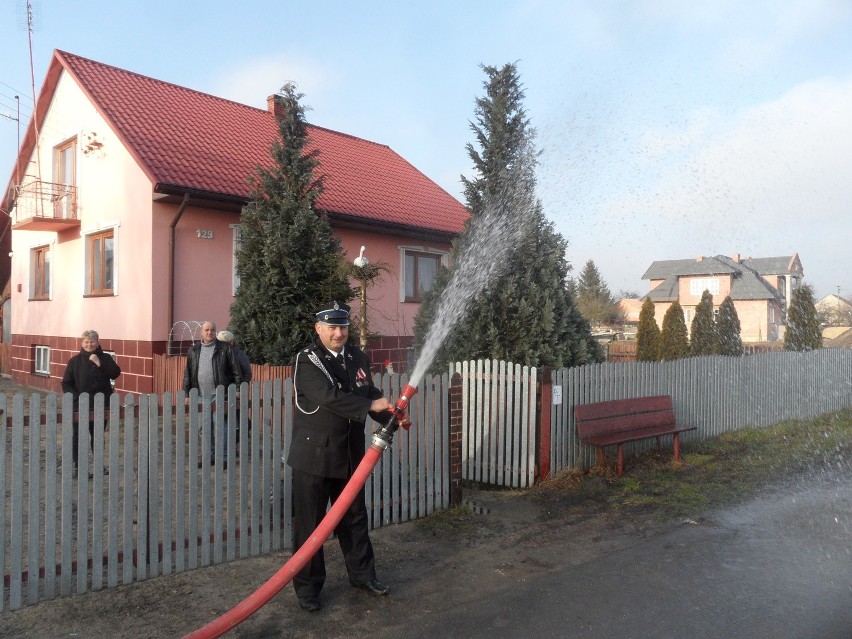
(782, 286)
(698, 285)
(65, 175)
(771, 314)
(100, 263)
(40, 273)
(419, 273)
(42, 360)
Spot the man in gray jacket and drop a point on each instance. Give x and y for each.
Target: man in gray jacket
(210, 364)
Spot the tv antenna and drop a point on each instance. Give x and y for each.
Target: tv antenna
(27, 14)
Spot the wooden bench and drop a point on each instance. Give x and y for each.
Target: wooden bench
(625, 420)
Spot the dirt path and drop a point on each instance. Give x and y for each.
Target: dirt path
(509, 534)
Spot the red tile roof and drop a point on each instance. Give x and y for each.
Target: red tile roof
(190, 140)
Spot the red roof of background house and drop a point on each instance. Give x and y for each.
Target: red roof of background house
(193, 141)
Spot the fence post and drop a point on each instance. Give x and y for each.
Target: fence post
(543, 439)
(456, 409)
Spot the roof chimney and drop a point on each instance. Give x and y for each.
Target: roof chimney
(736, 257)
(275, 106)
(700, 258)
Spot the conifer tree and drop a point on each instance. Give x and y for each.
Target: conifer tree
(802, 332)
(527, 314)
(288, 260)
(647, 334)
(728, 329)
(594, 299)
(704, 334)
(674, 342)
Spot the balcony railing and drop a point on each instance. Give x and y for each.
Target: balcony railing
(46, 206)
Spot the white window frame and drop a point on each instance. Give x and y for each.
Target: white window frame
(443, 258)
(41, 360)
(103, 228)
(698, 285)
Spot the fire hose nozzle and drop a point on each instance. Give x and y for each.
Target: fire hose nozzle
(383, 437)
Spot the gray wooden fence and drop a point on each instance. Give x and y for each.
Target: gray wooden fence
(716, 394)
(162, 507)
(156, 512)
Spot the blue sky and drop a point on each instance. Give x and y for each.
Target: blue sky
(666, 129)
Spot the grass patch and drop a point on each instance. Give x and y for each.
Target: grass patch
(458, 519)
(722, 470)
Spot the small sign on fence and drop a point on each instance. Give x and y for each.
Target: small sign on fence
(556, 392)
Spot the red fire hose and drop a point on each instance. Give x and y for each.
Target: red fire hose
(381, 440)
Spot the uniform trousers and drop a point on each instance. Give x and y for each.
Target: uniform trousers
(311, 494)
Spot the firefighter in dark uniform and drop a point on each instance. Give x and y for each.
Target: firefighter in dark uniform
(334, 395)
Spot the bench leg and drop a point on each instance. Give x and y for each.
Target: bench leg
(601, 457)
(620, 466)
(676, 442)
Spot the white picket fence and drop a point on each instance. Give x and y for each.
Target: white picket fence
(156, 512)
(498, 422)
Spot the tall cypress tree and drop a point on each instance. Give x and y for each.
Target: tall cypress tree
(802, 332)
(728, 329)
(526, 315)
(289, 260)
(704, 334)
(674, 342)
(647, 334)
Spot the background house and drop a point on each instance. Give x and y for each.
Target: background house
(834, 310)
(759, 287)
(835, 316)
(125, 204)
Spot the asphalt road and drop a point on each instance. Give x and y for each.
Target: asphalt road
(779, 566)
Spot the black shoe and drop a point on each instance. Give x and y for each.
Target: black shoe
(374, 587)
(311, 604)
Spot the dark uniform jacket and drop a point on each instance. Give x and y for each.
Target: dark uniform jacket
(226, 371)
(333, 404)
(82, 376)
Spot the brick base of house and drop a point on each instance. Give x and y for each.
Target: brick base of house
(397, 351)
(136, 359)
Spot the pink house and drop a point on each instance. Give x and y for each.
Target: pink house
(125, 204)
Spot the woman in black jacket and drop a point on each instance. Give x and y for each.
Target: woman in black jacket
(89, 371)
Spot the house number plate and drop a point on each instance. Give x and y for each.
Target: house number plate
(204, 234)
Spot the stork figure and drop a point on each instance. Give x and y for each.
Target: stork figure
(361, 261)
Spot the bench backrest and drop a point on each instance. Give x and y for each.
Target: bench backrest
(602, 418)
